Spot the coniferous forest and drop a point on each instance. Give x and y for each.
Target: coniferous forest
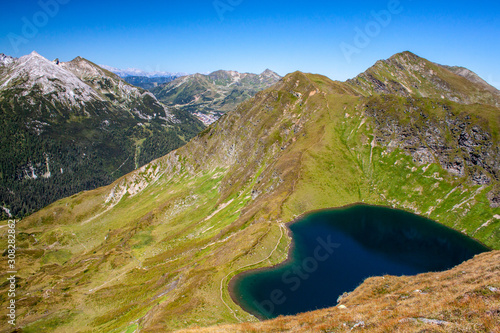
(41, 162)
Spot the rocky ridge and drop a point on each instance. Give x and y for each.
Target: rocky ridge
(406, 74)
(457, 142)
(76, 83)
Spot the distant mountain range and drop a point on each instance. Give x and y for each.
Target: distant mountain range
(155, 250)
(143, 79)
(210, 96)
(148, 83)
(73, 126)
(123, 73)
(207, 96)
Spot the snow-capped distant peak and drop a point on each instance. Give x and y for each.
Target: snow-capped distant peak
(139, 72)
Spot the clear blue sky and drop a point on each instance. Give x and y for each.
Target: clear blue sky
(250, 36)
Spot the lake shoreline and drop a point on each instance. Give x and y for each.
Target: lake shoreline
(290, 258)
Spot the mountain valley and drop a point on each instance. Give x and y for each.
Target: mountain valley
(155, 250)
(210, 96)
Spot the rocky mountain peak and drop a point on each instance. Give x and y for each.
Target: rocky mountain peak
(271, 74)
(76, 83)
(85, 69)
(406, 74)
(223, 75)
(6, 60)
(407, 55)
(34, 72)
(35, 54)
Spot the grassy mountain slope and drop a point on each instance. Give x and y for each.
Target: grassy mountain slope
(73, 126)
(407, 74)
(156, 249)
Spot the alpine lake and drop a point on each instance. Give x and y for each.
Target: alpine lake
(333, 251)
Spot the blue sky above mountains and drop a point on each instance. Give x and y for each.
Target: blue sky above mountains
(336, 38)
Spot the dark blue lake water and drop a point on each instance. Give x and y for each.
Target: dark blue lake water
(335, 250)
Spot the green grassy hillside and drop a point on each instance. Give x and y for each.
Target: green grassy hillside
(156, 249)
(407, 74)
